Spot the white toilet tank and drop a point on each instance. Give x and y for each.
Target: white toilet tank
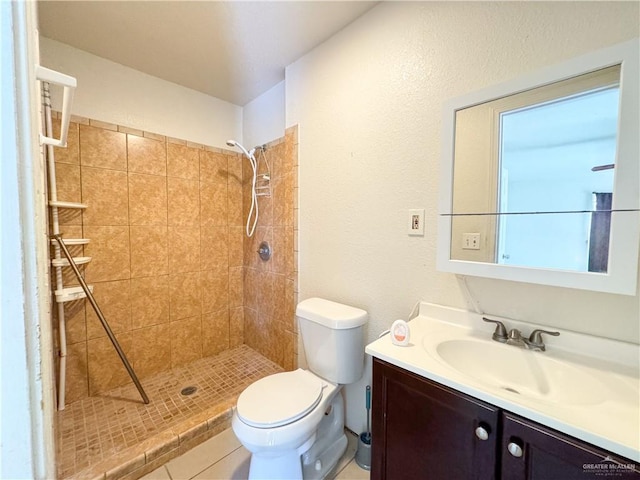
(333, 338)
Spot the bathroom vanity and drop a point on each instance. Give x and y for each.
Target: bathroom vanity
(455, 404)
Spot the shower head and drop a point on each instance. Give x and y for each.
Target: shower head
(249, 154)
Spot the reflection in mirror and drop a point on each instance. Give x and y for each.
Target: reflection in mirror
(549, 149)
(540, 178)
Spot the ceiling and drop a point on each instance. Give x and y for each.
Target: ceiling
(232, 50)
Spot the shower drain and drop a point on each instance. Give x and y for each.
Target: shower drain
(188, 390)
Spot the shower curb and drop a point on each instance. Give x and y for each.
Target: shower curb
(135, 462)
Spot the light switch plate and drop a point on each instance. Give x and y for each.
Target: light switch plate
(416, 222)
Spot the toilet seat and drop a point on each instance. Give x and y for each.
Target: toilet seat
(279, 399)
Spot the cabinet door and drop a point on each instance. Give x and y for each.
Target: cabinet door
(424, 431)
(544, 454)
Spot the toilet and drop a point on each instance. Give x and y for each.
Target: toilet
(293, 422)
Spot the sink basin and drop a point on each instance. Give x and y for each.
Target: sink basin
(521, 372)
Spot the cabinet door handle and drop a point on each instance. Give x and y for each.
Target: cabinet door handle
(514, 449)
(482, 433)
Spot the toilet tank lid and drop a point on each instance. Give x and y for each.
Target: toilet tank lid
(331, 314)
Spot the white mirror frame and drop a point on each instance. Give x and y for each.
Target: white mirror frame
(622, 272)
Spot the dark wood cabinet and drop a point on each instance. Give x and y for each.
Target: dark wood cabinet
(423, 430)
(546, 454)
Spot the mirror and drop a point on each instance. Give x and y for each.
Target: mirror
(540, 178)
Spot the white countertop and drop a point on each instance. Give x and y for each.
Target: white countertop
(612, 421)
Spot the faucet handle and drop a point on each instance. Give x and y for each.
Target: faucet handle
(500, 334)
(535, 339)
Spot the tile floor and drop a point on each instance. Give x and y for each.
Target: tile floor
(115, 435)
(224, 458)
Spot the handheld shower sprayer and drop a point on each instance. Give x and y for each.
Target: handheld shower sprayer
(253, 211)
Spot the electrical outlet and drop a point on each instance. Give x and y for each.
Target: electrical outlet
(471, 241)
(416, 221)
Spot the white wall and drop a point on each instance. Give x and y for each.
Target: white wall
(263, 117)
(27, 446)
(369, 106)
(113, 93)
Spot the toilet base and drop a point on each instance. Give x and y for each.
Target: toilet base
(331, 442)
(285, 466)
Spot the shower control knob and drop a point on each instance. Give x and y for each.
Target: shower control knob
(264, 250)
(482, 433)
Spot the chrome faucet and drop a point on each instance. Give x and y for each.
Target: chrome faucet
(514, 337)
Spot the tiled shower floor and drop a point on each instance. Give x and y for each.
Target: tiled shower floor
(115, 435)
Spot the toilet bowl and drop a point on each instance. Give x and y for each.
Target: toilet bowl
(293, 422)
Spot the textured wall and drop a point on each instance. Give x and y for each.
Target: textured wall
(114, 93)
(368, 103)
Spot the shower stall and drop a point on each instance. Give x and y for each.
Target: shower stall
(193, 306)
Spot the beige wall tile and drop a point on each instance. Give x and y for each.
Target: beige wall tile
(69, 216)
(106, 194)
(236, 327)
(106, 370)
(77, 383)
(253, 335)
(279, 310)
(236, 246)
(70, 153)
(146, 155)
(277, 264)
(185, 295)
(213, 204)
(103, 125)
(184, 249)
(213, 167)
(290, 306)
(251, 245)
(147, 199)
(155, 136)
(149, 254)
(149, 301)
(234, 191)
(75, 321)
(214, 249)
(114, 300)
(215, 291)
(250, 288)
(215, 332)
(186, 340)
(152, 349)
(282, 192)
(235, 287)
(290, 339)
(103, 148)
(109, 252)
(131, 131)
(265, 294)
(183, 162)
(289, 257)
(184, 201)
(68, 186)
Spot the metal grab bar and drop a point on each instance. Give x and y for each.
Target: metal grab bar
(96, 308)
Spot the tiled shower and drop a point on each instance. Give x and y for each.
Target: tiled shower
(172, 268)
